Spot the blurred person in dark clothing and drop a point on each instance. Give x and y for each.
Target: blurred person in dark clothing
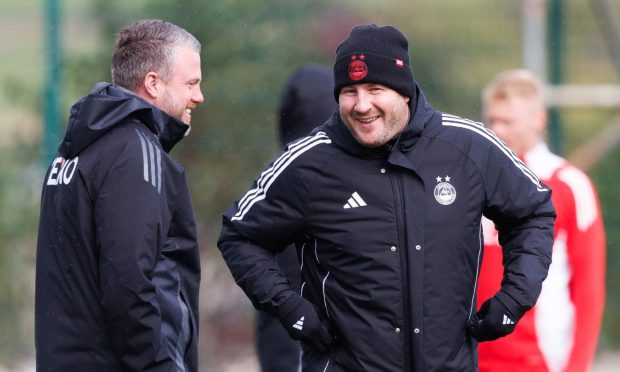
(305, 103)
(118, 266)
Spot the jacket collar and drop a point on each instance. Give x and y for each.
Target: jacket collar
(108, 106)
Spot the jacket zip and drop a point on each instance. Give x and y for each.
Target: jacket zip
(397, 187)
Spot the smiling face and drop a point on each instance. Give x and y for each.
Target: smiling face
(181, 93)
(373, 113)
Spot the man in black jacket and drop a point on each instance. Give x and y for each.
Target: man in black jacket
(118, 267)
(384, 203)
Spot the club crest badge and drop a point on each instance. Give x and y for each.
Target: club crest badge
(357, 68)
(445, 193)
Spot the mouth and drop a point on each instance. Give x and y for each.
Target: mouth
(366, 121)
(187, 115)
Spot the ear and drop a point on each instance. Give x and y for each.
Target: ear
(152, 85)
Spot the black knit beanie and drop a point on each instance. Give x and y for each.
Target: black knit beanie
(374, 54)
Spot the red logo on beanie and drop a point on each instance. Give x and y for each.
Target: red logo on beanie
(358, 69)
(399, 63)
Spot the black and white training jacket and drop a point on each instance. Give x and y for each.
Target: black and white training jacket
(390, 239)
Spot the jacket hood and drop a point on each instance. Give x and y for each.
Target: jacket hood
(108, 106)
(421, 114)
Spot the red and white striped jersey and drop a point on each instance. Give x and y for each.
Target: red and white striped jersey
(561, 332)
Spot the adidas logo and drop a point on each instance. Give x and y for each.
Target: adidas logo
(299, 324)
(507, 320)
(355, 201)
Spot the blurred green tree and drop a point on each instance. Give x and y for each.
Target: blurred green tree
(20, 184)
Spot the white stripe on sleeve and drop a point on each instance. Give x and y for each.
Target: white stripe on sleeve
(585, 201)
(271, 174)
(455, 121)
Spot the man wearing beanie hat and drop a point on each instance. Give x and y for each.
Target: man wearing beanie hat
(384, 202)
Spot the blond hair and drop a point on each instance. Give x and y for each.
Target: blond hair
(517, 83)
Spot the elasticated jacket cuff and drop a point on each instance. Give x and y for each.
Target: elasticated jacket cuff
(288, 307)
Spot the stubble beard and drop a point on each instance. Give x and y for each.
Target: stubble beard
(170, 107)
(393, 125)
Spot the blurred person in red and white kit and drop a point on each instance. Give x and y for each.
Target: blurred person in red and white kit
(561, 332)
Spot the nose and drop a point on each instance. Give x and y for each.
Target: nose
(363, 102)
(197, 96)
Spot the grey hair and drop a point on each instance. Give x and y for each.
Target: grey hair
(147, 46)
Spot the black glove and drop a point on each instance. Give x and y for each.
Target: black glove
(300, 319)
(498, 317)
